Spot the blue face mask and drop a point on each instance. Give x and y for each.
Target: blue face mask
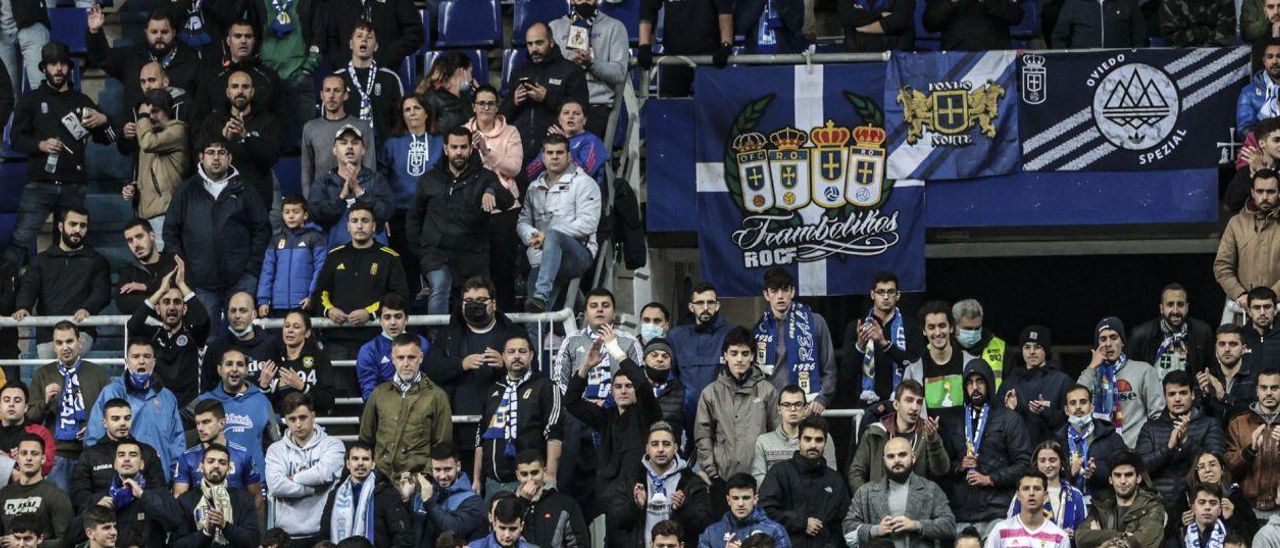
(649, 331)
(138, 381)
(1080, 422)
(968, 337)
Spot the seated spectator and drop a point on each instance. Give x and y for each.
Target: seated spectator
(373, 363)
(372, 90)
(522, 413)
(873, 27)
(68, 278)
(211, 429)
(877, 371)
(64, 391)
(442, 499)
(1259, 20)
(666, 489)
(1229, 385)
(1171, 438)
(1125, 391)
(552, 518)
(929, 457)
(1174, 342)
(215, 513)
(275, 538)
(506, 525)
(100, 527)
(1032, 523)
(154, 407)
(1269, 534)
(366, 504)
(1263, 153)
(28, 494)
(501, 151)
(302, 367)
(1207, 526)
(668, 534)
(1036, 390)
(586, 149)
(1257, 100)
(408, 412)
(255, 418)
(257, 345)
(317, 135)
(780, 445)
(142, 277)
(879, 508)
(1090, 443)
(660, 369)
(972, 26)
(559, 221)
(1082, 25)
(1198, 23)
(292, 263)
(238, 53)
(163, 158)
(939, 367)
(969, 538)
(541, 86)
(1251, 456)
(398, 24)
(1254, 227)
(743, 519)
(94, 473)
(335, 193)
(1237, 512)
(183, 330)
(252, 133)
(448, 222)
(14, 424)
(655, 322)
(447, 88)
(804, 493)
(730, 418)
(404, 155)
(146, 508)
(795, 343)
(210, 219)
(1132, 513)
(598, 43)
(302, 469)
(27, 531)
(1062, 503)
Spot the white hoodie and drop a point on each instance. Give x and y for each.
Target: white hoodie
(299, 479)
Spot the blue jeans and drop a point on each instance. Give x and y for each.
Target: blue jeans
(441, 282)
(27, 44)
(215, 303)
(38, 201)
(563, 258)
(60, 475)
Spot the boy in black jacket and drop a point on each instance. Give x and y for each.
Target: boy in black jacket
(666, 488)
(215, 513)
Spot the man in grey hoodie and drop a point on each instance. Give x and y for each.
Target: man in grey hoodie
(301, 469)
(668, 488)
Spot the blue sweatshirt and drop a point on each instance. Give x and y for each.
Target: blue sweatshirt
(249, 414)
(243, 472)
(291, 267)
(728, 528)
(374, 365)
(155, 421)
(395, 165)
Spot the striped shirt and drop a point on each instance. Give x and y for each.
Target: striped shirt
(1011, 533)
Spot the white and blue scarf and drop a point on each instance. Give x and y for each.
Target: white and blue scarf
(502, 426)
(1173, 340)
(1216, 538)
(71, 411)
(898, 337)
(802, 351)
(353, 513)
(1107, 404)
(1078, 444)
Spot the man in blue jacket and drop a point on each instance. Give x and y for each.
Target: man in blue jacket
(1257, 99)
(333, 193)
(697, 349)
(154, 407)
(444, 500)
(248, 410)
(743, 518)
(373, 363)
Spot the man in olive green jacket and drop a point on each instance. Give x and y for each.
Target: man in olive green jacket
(931, 459)
(406, 416)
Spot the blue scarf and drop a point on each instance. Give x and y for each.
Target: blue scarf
(1172, 340)
(71, 411)
(802, 351)
(122, 496)
(137, 383)
(1078, 444)
(972, 437)
(353, 509)
(1106, 404)
(898, 338)
(502, 426)
(193, 33)
(1216, 538)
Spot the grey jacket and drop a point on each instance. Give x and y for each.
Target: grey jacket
(574, 350)
(1269, 535)
(926, 504)
(781, 377)
(571, 205)
(317, 147)
(774, 447)
(730, 417)
(609, 54)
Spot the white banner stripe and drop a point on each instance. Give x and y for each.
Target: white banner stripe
(1208, 70)
(1035, 164)
(809, 113)
(1056, 130)
(1189, 59)
(710, 177)
(1215, 86)
(1089, 157)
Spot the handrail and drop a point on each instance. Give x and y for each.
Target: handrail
(274, 323)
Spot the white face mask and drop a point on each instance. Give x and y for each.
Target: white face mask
(650, 331)
(1079, 422)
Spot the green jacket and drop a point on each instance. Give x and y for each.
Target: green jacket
(868, 461)
(1254, 25)
(45, 412)
(403, 428)
(1143, 523)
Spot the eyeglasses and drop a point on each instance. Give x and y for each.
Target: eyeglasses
(477, 300)
(791, 405)
(217, 152)
(485, 104)
(705, 304)
(886, 292)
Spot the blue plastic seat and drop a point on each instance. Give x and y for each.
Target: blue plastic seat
(479, 63)
(627, 11)
(69, 26)
(469, 24)
(1027, 29)
(925, 40)
(511, 60)
(528, 12)
(427, 31)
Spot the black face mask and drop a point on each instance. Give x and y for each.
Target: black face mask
(475, 313)
(584, 11)
(657, 375)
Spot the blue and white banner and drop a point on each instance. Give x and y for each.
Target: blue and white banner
(791, 172)
(1126, 110)
(951, 115)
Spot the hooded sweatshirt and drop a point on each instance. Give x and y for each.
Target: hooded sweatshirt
(299, 478)
(249, 414)
(506, 153)
(155, 419)
(1002, 450)
(402, 169)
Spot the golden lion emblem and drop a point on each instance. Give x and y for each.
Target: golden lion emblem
(950, 112)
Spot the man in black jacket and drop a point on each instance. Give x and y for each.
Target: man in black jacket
(213, 512)
(372, 89)
(240, 54)
(1173, 342)
(66, 279)
(252, 135)
(666, 487)
(396, 22)
(988, 447)
(551, 518)
(52, 126)
(391, 526)
(1170, 441)
(1090, 443)
(218, 224)
(805, 495)
(972, 25)
(541, 86)
(1037, 391)
(1230, 385)
(124, 63)
(94, 473)
(182, 331)
(1085, 24)
(691, 28)
(141, 278)
(663, 373)
(448, 222)
(521, 412)
(1261, 334)
(139, 504)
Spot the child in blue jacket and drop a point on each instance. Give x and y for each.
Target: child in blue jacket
(292, 262)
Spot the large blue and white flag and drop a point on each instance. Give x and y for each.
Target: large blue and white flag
(1150, 109)
(791, 172)
(951, 115)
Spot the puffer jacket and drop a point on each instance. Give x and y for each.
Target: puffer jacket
(405, 427)
(798, 489)
(868, 458)
(450, 110)
(1255, 470)
(1249, 253)
(730, 528)
(222, 239)
(1144, 520)
(1253, 96)
(446, 225)
(1103, 444)
(731, 415)
(1168, 467)
(163, 162)
(291, 267)
(1048, 382)
(670, 394)
(1003, 454)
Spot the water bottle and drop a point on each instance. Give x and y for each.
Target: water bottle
(51, 163)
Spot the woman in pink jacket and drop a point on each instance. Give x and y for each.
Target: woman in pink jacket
(500, 150)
